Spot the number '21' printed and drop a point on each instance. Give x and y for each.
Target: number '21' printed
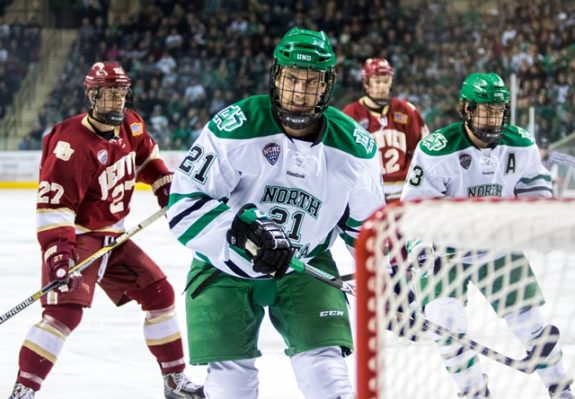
(196, 163)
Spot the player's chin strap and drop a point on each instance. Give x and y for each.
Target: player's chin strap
(534, 359)
(83, 264)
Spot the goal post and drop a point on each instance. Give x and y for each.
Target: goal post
(467, 235)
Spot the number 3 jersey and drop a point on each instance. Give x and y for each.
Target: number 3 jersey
(446, 163)
(315, 191)
(86, 181)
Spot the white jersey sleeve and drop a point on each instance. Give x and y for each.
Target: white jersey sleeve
(201, 184)
(364, 199)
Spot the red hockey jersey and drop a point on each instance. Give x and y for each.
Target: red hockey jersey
(396, 131)
(86, 182)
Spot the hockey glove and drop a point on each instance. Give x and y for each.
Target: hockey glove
(60, 258)
(262, 238)
(161, 188)
(422, 254)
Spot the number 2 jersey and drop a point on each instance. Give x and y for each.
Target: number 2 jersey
(446, 163)
(315, 191)
(396, 131)
(86, 182)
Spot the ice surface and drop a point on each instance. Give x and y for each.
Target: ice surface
(106, 356)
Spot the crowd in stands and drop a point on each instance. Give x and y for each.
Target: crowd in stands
(3, 5)
(19, 51)
(188, 60)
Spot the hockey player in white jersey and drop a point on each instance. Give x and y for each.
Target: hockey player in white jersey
(482, 156)
(271, 177)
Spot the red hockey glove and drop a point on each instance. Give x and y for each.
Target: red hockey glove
(60, 257)
(161, 189)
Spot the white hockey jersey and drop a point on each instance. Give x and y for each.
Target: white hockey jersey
(447, 164)
(315, 191)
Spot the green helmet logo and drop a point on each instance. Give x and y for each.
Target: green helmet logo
(484, 88)
(305, 48)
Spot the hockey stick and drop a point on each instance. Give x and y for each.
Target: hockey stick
(536, 357)
(302, 267)
(83, 265)
(334, 281)
(528, 364)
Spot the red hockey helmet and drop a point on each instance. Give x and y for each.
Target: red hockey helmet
(106, 74)
(375, 66)
(105, 83)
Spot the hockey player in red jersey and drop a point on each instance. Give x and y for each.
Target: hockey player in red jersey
(89, 167)
(395, 124)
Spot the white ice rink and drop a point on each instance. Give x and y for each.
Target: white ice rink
(106, 356)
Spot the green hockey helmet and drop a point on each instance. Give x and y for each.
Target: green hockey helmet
(484, 88)
(484, 105)
(308, 50)
(305, 48)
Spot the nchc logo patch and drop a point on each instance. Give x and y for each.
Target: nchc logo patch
(102, 157)
(272, 152)
(465, 160)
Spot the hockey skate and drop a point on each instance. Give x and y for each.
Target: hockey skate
(561, 391)
(22, 392)
(474, 393)
(178, 386)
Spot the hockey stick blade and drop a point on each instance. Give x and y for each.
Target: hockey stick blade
(534, 359)
(537, 355)
(82, 265)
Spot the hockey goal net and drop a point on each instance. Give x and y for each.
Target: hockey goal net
(392, 366)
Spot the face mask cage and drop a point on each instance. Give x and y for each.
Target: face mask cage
(299, 99)
(486, 120)
(107, 104)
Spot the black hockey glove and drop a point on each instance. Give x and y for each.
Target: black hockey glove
(262, 238)
(422, 254)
